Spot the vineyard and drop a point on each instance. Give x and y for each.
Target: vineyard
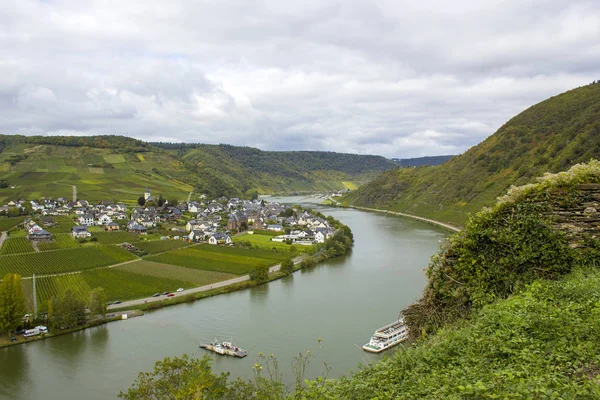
(230, 260)
(16, 245)
(61, 241)
(158, 246)
(7, 223)
(125, 285)
(54, 287)
(68, 260)
(196, 276)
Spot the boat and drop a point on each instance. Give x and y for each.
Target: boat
(225, 348)
(387, 336)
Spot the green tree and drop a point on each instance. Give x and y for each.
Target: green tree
(98, 300)
(260, 274)
(141, 201)
(12, 303)
(173, 202)
(179, 378)
(69, 310)
(287, 266)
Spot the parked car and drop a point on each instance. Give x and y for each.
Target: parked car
(166, 293)
(171, 295)
(156, 295)
(180, 289)
(117, 302)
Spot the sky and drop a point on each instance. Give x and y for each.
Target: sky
(390, 77)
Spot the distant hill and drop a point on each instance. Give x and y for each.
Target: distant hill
(548, 137)
(117, 167)
(421, 161)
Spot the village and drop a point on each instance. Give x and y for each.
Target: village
(212, 221)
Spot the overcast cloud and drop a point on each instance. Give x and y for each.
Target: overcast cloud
(390, 77)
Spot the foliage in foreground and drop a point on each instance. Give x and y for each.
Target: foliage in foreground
(504, 248)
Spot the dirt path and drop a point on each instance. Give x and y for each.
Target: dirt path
(2, 238)
(35, 247)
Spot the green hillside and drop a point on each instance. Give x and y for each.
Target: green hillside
(547, 137)
(115, 167)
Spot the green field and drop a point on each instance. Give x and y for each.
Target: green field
(55, 286)
(158, 246)
(68, 260)
(64, 224)
(61, 241)
(16, 245)
(7, 223)
(114, 237)
(231, 260)
(195, 276)
(125, 285)
(265, 243)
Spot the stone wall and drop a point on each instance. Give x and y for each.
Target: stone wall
(579, 216)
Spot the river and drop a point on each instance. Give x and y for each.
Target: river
(341, 301)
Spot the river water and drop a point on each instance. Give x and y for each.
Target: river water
(341, 301)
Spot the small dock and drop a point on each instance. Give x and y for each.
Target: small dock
(225, 348)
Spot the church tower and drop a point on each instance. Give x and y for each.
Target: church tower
(147, 194)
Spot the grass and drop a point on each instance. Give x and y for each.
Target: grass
(16, 245)
(229, 260)
(114, 237)
(64, 224)
(68, 260)
(195, 276)
(158, 246)
(8, 222)
(264, 242)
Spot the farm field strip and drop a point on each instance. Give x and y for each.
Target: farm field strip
(63, 223)
(67, 260)
(209, 248)
(157, 246)
(159, 270)
(264, 242)
(16, 245)
(55, 286)
(61, 241)
(124, 285)
(114, 237)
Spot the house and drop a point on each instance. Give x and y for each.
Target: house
(86, 219)
(80, 231)
(196, 235)
(111, 227)
(219, 238)
(194, 206)
(319, 237)
(35, 232)
(48, 221)
(237, 221)
(134, 227)
(275, 227)
(104, 219)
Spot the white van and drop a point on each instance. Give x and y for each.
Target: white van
(42, 328)
(31, 332)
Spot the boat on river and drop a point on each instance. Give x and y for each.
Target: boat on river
(225, 348)
(387, 336)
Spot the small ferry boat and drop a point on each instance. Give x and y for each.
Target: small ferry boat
(225, 348)
(387, 336)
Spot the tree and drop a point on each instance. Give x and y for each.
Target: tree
(287, 266)
(69, 310)
(179, 378)
(173, 202)
(161, 201)
(12, 303)
(260, 274)
(98, 300)
(141, 201)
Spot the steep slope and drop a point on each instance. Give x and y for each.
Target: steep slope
(548, 137)
(115, 167)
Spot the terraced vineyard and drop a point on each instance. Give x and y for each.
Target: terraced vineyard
(196, 276)
(114, 237)
(68, 260)
(125, 285)
(229, 260)
(61, 241)
(158, 246)
(63, 223)
(16, 245)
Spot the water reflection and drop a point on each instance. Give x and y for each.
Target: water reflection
(15, 372)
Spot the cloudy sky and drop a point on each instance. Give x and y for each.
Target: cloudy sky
(392, 77)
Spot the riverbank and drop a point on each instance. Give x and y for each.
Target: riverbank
(112, 317)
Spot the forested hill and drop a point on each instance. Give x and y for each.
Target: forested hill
(117, 167)
(548, 137)
(421, 161)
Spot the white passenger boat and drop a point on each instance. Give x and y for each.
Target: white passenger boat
(387, 336)
(225, 348)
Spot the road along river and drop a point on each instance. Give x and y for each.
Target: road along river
(341, 301)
